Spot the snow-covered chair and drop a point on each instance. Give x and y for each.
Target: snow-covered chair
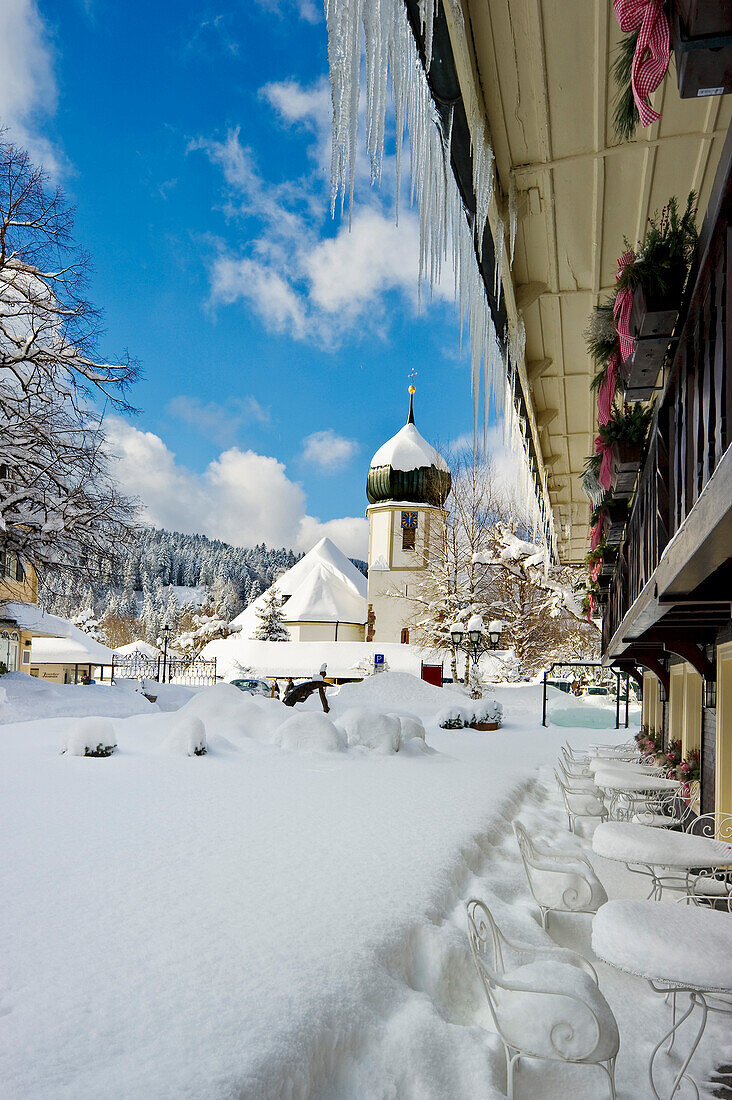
(717, 826)
(580, 800)
(560, 882)
(573, 766)
(710, 887)
(576, 778)
(544, 1001)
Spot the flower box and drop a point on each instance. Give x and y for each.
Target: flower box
(642, 369)
(484, 725)
(606, 574)
(656, 316)
(613, 524)
(701, 38)
(626, 463)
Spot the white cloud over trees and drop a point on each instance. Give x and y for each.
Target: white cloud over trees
(241, 497)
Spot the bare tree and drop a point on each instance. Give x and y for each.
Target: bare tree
(485, 563)
(59, 506)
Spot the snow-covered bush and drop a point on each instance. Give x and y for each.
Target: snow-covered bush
(371, 729)
(187, 737)
(410, 726)
(487, 710)
(453, 717)
(308, 731)
(459, 715)
(90, 737)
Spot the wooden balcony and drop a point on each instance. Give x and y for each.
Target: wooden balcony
(675, 566)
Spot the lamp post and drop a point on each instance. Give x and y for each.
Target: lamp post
(166, 635)
(472, 639)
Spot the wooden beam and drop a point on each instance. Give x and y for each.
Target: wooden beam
(527, 294)
(545, 417)
(536, 367)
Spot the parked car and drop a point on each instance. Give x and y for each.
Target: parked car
(253, 686)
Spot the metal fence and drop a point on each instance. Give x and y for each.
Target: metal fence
(190, 671)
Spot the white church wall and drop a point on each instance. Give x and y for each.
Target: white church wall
(326, 632)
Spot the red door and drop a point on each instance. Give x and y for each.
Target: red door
(432, 674)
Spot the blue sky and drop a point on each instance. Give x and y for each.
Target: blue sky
(276, 346)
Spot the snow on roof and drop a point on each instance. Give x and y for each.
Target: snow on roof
(29, 616)
(305, 658)
(325, 597)
(333, 569)
(76, 648)
(138, 646)
(408, 450)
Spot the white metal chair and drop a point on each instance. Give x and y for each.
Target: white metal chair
(580, 800)
(544, 1002)
(576, 779)
(560, 882)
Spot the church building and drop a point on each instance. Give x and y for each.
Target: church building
(407, 487)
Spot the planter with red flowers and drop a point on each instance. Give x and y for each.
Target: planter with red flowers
(614, 519)
(625, 435)
(655, 276)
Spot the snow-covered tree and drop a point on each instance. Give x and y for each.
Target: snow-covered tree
(59, 505)
(271, 626)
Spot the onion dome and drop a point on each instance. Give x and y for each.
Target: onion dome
(408, 469)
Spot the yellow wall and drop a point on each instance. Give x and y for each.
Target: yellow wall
(651, 714)
(25, 591)
(723, 756)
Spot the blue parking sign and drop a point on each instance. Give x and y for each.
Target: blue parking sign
(378, 659)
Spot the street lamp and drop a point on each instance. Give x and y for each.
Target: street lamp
(475, 643)
(166, 635)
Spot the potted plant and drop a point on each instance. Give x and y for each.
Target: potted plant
(488, 715)
(656, 277)
(626, 433)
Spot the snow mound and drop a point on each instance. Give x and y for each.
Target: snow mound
(371, 730)
(26, 698)
(187, 737)
(458, 715)
(224, 709)
(310, 732)
(389, 690)
(90, 737)
(410, 726)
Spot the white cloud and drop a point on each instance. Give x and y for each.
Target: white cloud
(28, 90)
(241, 497)
(222, 423)
(308, 10)
(295, 275)
(328, 450)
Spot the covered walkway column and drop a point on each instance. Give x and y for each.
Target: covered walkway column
(723, 755)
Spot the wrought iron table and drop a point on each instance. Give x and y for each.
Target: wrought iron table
(647, 848)
(677, 949)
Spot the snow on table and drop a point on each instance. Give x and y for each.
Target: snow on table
(623, 767)
(633, 781)
(681, 944)
(254, 922)
(633, 843)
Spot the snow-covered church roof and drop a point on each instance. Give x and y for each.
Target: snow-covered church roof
(323, 587)
(407, 468)
(408, 450)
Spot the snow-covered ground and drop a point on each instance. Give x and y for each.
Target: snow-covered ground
(262, 922)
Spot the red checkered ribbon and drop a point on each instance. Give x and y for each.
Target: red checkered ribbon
(652, 53)
(606, 392)
(622, 308)
(590, 607)
(596, 532)
(605, 474)
(595, 569)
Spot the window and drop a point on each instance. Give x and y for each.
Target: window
(405, 636)
(409, 530)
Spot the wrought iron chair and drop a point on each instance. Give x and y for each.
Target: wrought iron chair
(711, 887)
(560, 882)
(544, 1002)
(575, 779)
(580, 801)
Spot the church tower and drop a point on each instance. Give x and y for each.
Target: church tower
(407, 486)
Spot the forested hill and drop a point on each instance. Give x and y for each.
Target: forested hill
(162, 558)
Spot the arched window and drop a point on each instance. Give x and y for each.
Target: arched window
(405, 636)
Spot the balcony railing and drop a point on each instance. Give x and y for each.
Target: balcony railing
(693, 420)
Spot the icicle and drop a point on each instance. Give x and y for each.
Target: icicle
(379, 30)
(512, 217)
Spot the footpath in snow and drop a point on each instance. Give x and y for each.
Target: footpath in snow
(266, 922)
